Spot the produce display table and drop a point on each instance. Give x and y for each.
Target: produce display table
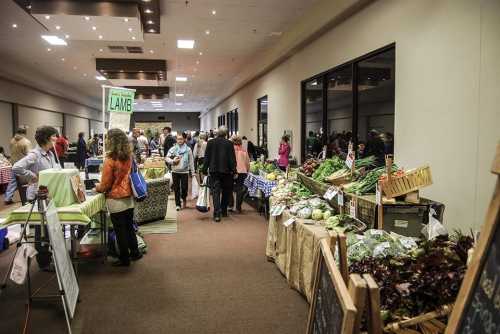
(254, 183)
(58, 181)
(151, 173)
(294, 250)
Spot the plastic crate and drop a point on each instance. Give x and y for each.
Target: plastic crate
(4, 243)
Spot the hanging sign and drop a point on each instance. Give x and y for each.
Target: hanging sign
(340, 198)
(350, 156)
(277, 210)
(289, 222)
(352, 208)
(120, 107)
(378, 194)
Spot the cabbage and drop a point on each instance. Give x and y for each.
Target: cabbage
(327, 214)
(316, 203)
(305, 213)
(317, 214)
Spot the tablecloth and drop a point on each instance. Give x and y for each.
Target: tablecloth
(76, 214)
(5, 174)
(254, 183)
(294, 249)
(58, 181)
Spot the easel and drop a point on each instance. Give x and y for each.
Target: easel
(41, 202)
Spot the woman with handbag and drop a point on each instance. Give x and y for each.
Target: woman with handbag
(115, 183)
(180, 157)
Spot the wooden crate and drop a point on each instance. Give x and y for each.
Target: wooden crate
(411, 181)
(313, 185)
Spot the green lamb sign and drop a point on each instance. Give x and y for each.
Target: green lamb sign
(120, 100)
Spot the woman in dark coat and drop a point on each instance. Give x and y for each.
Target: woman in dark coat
(81, 151)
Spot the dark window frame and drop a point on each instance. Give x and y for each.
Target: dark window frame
(324, 76)
(259, 113)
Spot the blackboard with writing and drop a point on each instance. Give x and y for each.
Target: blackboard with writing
(332, 310)
(482, 312)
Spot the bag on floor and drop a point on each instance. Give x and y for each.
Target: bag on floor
(203, 203)
(138, 184)
(195, 188)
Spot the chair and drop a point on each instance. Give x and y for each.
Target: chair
(154, 207)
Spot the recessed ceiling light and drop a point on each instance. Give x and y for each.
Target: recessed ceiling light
(150, 22)
(148, 11)
(121, 71)
(47, 17)
(101, 50)
(133, 37)
(151, 51)
(87, 18)
(201, 53)
(197, 62)
(84, 74)
(100, 36)
(152, 30)
(62, 59)
(94, 28)
(207, 32)
(178, 104)
(177, 109)
(130, 29)
(181, 79)
(58, 27)
(195, 69)
(54, 40)
(214, 12)
(14, 25)
(66, 36)
(179, 94)
(185, 43)
(75, 68)
(49, 49)
(125, 19)
(100, 77)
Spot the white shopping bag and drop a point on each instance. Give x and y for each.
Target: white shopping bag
(168, 176)
(195, 188)
(20, 265)
(203, 203)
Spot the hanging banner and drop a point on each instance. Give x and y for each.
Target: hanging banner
(120, 107)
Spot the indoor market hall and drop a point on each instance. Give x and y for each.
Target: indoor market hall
(249, 166)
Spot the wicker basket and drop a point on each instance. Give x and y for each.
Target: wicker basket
(425, 323)
(313, 185)
(412, 180)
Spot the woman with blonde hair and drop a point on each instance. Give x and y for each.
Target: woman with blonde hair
(115, 183)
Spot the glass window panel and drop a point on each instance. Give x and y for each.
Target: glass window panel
(313, 121)
(376, 105)
(339, 111)
(262, 122)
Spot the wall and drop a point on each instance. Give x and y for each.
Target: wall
(6, 121)
(447, 84)
(181, 121)
(75, 125)
(33, 118)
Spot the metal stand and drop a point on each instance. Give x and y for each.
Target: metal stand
(31, 296)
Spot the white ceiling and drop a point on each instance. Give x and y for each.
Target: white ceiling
(239, 32)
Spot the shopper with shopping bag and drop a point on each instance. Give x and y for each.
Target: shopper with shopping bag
(203, 203)
(180, 158)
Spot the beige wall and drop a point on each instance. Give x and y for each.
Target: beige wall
(75, 125)
(447, 84)
(33, 118)
(6, 122)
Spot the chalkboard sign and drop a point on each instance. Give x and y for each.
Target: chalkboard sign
(332, 310)
(477, 309)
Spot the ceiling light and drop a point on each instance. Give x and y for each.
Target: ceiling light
(133, 37)
(201, 53)
(207, 32)
(195, 69)
(151, 30)
(148, 11)
(150, 22)
(181, 79)
(84, 74)
(49, 49)
(125, 19)
(146, 0)
(94, 28)
(151, 51)
(47, 17)
(62, 59)
(177, 109)
(101, 50)
(178, 104)
(54, 40)
(87, 18)
(67, 36)
(14, 25)
(185, 43)
(179, 94)
(100, 77)
(197, 62)
(58, 27)
(214, 12)
(74, 67)
(130, 29)
(100, 36)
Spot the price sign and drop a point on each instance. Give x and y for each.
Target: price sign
(350, 156)
(289, 222)
(277, 210)
(340, 198)
(331, 193)
(378, 195)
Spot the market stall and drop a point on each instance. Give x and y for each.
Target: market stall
(5, 176)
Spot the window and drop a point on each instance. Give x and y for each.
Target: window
(262, 109)
(359, 107)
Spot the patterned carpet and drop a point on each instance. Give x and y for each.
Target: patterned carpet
(165, 226)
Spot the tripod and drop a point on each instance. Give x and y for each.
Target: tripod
(41, 200)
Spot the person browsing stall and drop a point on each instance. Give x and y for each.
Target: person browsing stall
(115, 184)
(284, 153)
(242, 167)
(28, 168)
(180, 158)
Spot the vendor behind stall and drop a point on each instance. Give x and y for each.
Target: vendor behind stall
(27, 170)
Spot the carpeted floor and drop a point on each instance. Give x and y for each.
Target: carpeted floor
(207, 278)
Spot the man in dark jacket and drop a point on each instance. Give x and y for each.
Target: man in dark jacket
(168, 140)
(220, 165)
